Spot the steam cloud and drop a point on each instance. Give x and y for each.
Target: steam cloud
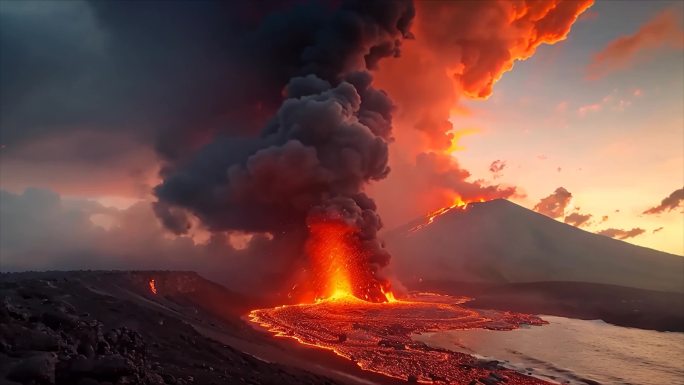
(670, 203)
(554, 205)
(328, 139)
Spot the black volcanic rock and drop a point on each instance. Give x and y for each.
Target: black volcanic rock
(90, 328)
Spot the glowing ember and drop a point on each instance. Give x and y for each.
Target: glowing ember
(153, 286)
(459, 204)
(339, 264)
(377, 336)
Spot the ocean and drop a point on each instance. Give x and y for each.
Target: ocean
(571, 351)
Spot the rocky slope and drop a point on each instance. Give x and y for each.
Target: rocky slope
(87, 328)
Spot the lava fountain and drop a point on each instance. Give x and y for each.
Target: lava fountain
(339, 264)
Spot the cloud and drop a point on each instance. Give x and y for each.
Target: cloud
(462, 48)
(554, 205)
(444, 173)
(622, 234)
(664, 30)
(577, 219)
(42, 230)
(586, 109)
(670, 203)
(496, 167)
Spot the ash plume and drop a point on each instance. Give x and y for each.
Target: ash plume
(315, 155)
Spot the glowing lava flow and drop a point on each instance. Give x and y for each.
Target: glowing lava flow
(153, 286)
(458, 204)
(355, 314)
(377, 336)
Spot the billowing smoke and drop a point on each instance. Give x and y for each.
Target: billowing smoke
(314, 157)
(554, 205)
(669, 203)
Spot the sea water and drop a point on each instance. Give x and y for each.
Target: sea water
(569, 351)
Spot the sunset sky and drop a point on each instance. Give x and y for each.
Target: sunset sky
(615, 142)
(600, 114)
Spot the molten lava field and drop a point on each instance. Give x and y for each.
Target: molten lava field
(377, 336)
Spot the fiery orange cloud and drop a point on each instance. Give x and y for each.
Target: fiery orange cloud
(662, 31)
(461, 49)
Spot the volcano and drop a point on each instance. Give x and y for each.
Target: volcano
(510, 258)
(501, 242)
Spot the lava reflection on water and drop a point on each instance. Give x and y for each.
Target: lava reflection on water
(377, 336)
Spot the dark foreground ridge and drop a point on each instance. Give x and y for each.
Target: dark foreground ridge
(89, 328)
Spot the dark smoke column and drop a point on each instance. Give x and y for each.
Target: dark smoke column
(311, 162)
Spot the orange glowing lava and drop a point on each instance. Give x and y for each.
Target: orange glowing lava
(378, 336)
(459, 204)
(153, 286)
(340, 265)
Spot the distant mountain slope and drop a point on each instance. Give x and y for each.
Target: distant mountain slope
(499, 241)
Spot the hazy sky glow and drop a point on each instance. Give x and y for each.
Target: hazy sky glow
(608, 127)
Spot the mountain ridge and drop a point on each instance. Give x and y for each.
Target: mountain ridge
(501, 242)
